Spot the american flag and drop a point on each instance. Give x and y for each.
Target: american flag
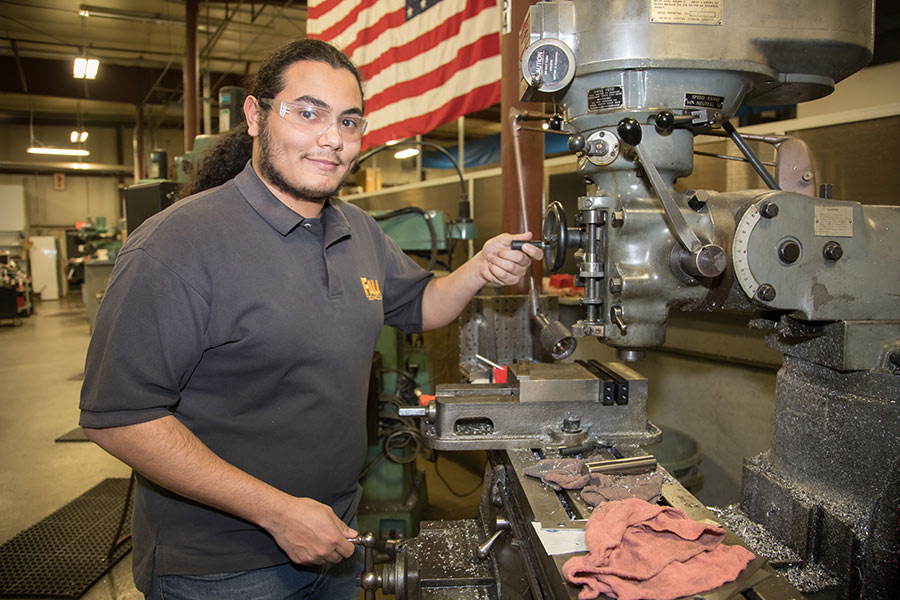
(423, 62)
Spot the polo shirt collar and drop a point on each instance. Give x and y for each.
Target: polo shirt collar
(280, 217)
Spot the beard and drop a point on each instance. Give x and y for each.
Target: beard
(274, 176)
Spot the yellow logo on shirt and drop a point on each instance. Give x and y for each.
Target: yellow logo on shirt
(371, 288)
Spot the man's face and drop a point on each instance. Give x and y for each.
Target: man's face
(308, 166)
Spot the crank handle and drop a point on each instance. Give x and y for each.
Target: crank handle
(518, 244)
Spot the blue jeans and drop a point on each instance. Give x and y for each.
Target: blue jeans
(281, 582)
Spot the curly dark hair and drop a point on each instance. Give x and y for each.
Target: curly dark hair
(228, 156)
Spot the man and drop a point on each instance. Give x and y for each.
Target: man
(231, 353)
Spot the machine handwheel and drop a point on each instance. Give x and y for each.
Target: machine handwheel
(556, 237)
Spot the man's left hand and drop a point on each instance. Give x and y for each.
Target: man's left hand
(500, 264)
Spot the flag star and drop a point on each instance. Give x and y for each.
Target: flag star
(423, 3)
(409, 10)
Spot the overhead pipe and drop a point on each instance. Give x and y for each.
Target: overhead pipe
(191, 75)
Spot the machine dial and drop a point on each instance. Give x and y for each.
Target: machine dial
(740, 249)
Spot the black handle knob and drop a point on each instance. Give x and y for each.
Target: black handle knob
(518, 244)
(832, 251)
(576, 143)
(665, 121)
(629, 131)
(768, 210)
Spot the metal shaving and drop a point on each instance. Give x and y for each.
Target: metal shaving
(474, 428)
(757, 537)
(807, 577)
(810, 578)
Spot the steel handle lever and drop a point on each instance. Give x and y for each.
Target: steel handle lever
(485, 547)
(370, 579)
(704, 260)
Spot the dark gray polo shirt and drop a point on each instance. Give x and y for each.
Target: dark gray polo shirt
(255, 328)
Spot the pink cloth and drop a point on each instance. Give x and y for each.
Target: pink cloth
(604, 488)
(640, 551)
(560, 473)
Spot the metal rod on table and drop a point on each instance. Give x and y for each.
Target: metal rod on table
(619, 465)
(488, 362)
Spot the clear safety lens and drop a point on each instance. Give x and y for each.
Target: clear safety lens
(316, 120)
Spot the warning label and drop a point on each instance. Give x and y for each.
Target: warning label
(551, 62)
(605, 98)
(834, 221)
(689, 12)
(704, 100)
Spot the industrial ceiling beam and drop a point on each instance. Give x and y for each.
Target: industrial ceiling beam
(191, 75)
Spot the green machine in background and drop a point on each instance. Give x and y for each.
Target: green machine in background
(394, 492)
(405, 366)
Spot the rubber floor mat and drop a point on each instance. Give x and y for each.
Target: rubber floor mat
(66, 553)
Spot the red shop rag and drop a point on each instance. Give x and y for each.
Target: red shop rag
(642, 551)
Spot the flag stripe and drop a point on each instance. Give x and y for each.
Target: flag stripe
(374, 33)
(316, 11)
(360, 19)
(426, 101)
(488, 45)
(450, 32)
(418, 72)
(329, 12)
(474, 101)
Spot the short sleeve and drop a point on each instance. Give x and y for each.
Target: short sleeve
(149, 336)
(404, 287)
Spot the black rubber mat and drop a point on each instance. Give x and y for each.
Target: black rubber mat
(66, 553)
(76, 435)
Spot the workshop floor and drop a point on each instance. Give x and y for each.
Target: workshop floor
(41, 367)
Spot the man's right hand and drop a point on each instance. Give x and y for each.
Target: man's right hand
(309, 532)
(165, 451)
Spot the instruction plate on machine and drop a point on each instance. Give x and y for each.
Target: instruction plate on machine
(834, 221)
(690, 12)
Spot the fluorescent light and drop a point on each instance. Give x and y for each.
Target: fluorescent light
(83, 137)
(85, 68)
(92, 66)
(391, 142)
(58, 151)
(406, 153)
(78, 136)
(73, 137)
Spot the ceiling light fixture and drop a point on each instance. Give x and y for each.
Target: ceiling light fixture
(38, 147)
(78, 137)
(57, 151)
(406, 153)
(85, 68)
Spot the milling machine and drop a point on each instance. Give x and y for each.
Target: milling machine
(636, 81)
